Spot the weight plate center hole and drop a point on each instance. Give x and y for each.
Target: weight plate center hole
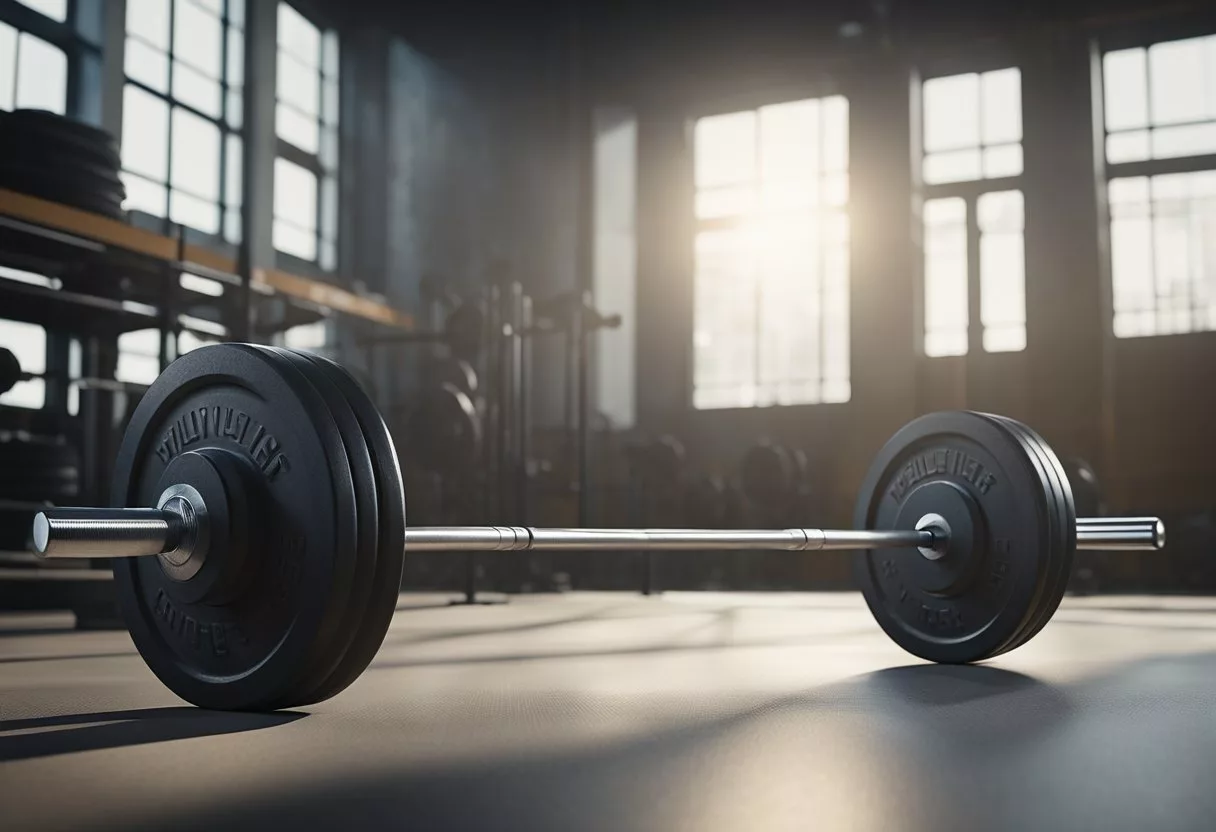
(937, 525)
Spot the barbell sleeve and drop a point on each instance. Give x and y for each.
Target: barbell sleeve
(136, 532)
(105, 532)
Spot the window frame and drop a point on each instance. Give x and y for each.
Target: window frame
(754, 101)
(68, 37)
(1115, 40)
(312, 162)
(970, 191)
(222, 122)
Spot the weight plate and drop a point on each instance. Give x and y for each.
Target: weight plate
(455, 371)
(366, 514)
(1053, 548)
(968, 604)
(766, 473)
(464, 330)
(10, 370)
(390, 558)
(444, 431)
(259, 416)
(328, 651)
(1083, 481)
(1065, 520)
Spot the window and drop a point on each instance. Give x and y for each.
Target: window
(306, 121)
(614, 272)
(182, 112)
(972, 145)
(33, 72)
(1160, 120)
(771, 316)
(28, 343)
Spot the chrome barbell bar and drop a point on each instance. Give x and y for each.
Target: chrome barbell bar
(137, 532)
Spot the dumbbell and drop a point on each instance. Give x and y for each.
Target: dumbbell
(259, 531)
(11, 374)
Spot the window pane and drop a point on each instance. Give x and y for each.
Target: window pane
(54, 9)
(143, 195)
(295, 195)
(329, 148)
(236, 12)
(232, 170)
(1188, 140)
(1002, 106)
(733, 201)
(329, 56)
(197, 38)
(951, 112)
(1127, 147)
(147, 65)
(725, 302)
(216, 7)
(291, 240)
(1125, 84)
(194, 212)
(952, 166)
(725, 149)
(1000, 211)
(28, 343)
(299, 85)
(328, 258)
(232, 226)
(8, 66)
(42, 75)
(149, 19)
(789, 144)
(1176, 74)
(329, 100)
(196, 156)
(234, 113)
(298, 36)
(145, 131)
(197, 90)
(946, 304)
(835, 115)
(1005, 160)
(236, 58)
(1002, 271)
(329, 208)
(299, 130)
(1163, 261)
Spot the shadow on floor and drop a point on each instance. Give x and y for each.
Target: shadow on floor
(24, 739)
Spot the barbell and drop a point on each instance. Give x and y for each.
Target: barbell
(259, 531)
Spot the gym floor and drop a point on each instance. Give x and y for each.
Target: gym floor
(602, 711)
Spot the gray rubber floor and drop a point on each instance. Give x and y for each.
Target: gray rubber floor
(597, 712)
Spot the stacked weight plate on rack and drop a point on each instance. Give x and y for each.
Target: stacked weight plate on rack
(306, 505)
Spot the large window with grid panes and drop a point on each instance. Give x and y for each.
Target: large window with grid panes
(1159, 114)
(306, 122)
(182, 110)
(34, 74)
(974, 256)
(771, 256)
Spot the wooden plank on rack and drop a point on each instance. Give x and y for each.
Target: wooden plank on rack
(119, 234)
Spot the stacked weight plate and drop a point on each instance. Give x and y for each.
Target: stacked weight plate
(1007, 500)
(307, 524)
(61, 160)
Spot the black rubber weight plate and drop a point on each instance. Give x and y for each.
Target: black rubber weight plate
(1053, 548)
(1067, 518)
(249, 652)
(334, 639)
(367, 514)
(970, 604)
(390, 559)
